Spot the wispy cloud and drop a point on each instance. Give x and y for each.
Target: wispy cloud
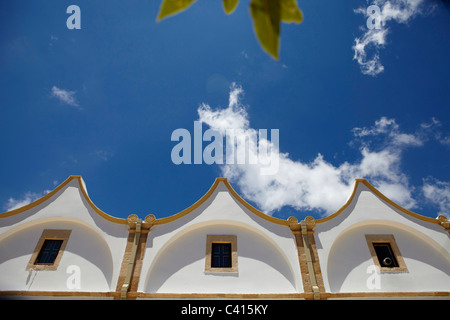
(320, 185)
(103, 154)
(53, 40)
(390, 131)
(433, 129)
(65, 96)
(438, 193)
(367, 47)
(27, 198)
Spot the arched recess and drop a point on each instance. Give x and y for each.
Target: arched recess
(349, 258)
(179, 265)
(86, 248)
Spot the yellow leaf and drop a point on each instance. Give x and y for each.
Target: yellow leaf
(171, 7)
(266, 16)
(230, 5)
(290, 12)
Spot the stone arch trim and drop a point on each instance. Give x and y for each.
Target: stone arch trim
(44, 221)
(179, 235)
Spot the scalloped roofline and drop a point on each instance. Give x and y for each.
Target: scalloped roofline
(57, 189)
(377, 193)
(206, 196)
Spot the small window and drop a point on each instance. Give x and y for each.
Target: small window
(221, 254)
(49, 252)
(385, 253)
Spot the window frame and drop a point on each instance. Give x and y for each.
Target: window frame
(386, 239)
(219, 239)
(49, 234)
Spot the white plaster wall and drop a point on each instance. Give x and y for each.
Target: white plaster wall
(349, 260)
(174, 260)
(96, 245)
(344, 254)
(86, 250)
(180, 267)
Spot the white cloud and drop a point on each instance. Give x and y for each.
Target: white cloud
(444, 140)
(317, 185)
(399, 11)
(27, 198)
(53, 40)
(103, 154)
(371, 66)
(438, 193)
(390, 131)
(65, 96)
(432, 129)
(233, 117)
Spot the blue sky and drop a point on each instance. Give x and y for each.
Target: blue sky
(103, 101)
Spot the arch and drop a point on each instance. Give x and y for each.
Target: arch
(96, 252)
(349, 255)
(191, 244)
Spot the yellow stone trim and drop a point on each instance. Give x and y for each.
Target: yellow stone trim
(96, 209)
(56, 190)
(208, 194)
(132, 259)
(385, 295)
(243, 296)
(382, 197)
(144, 295)
(309, 261)
(251, 208)
(68, 294)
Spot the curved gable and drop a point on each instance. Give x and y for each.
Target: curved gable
(346, 239)
(210, 192)
(52, 195)
(382, 197)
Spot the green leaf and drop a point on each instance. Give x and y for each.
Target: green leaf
(266, 16)
(230, 5)
(171, 7)
(290, 12)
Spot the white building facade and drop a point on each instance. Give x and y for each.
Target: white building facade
(63, 246)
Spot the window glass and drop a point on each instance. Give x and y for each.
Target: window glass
(221, 255)
(385, 255)
(49, 252)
